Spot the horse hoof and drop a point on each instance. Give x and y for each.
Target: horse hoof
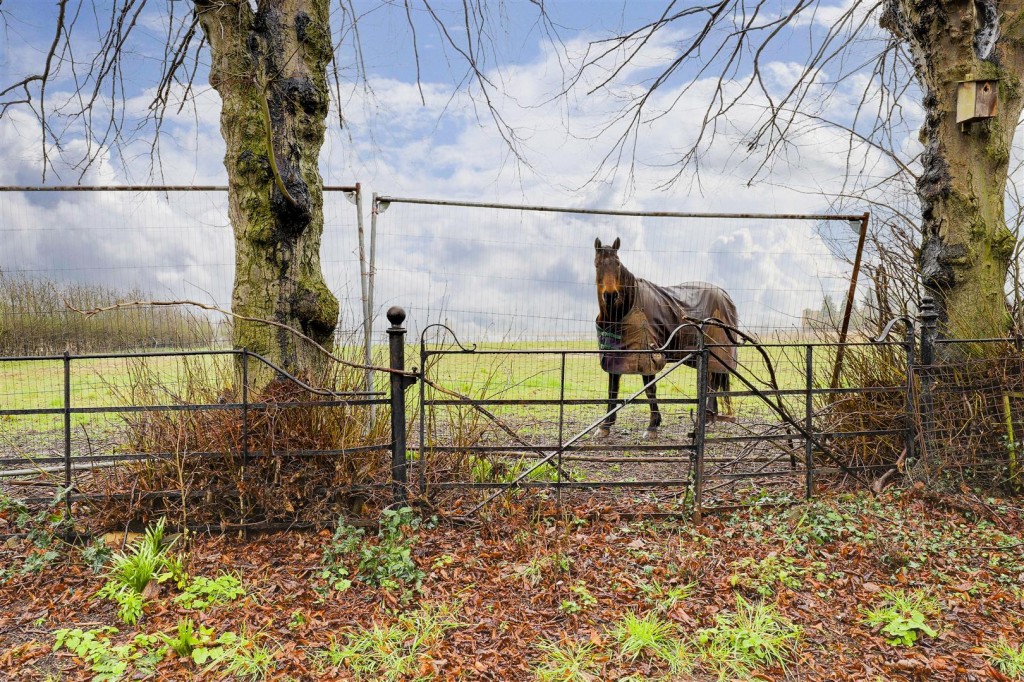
(650, 434)
(603, 432)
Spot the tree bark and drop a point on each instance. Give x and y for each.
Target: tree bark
(269, 67)
(966, 246)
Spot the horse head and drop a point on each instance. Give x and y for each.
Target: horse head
(616, 286)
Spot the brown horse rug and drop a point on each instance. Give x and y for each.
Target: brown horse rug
(657, 311)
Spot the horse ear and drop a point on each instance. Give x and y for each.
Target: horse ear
(615, 245)
(597, 243)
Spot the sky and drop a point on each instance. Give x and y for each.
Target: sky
(487, 273)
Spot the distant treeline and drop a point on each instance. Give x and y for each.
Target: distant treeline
(35, 319)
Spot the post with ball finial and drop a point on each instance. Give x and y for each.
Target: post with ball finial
(400, 381)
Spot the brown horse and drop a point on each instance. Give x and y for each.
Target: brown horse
(638, 315)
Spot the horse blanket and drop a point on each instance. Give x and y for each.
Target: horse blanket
(656, 312)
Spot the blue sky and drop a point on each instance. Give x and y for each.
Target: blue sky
(448, 148)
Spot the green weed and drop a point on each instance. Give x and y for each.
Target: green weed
(41, 529)
(203, 592)
(107, 661)
(756, 635)
(392, 652)
(386, 563)
(652, 637)
(767, 575)
(903, 616)
(96, 555)
(535, 571)
(666, 597)
(1008, 659)
(243, 657)
(297, 621)
(131, 572)
(110, 662)
(568, 662)
(582, 600)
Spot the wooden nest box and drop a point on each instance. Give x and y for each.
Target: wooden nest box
(976, 100)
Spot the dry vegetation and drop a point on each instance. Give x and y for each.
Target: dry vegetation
(35, 320)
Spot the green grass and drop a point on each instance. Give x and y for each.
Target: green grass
(568, 662)
(651, 636)
(95, 382)
(755, 635)
(1008, 659)
(394, 651)
(481, 375)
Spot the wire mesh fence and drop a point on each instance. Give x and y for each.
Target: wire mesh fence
(68, 248)
(972, 411)
(492, 421)
(521, 274)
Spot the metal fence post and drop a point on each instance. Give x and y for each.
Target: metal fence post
(809, 419)
(245, 408)
(909, 340)
(699, 431)
(245, 432)
(399, 382)
(67, 434)
(561, 429)
(929, 332)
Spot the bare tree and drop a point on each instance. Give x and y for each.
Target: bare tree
(927, 47)
(276, 65)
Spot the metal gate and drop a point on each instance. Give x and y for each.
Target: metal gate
(493, 420)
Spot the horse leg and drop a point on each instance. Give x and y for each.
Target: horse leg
(652, 396)
(613, 398)
(711, 399)
(718, 382)
(722, 384)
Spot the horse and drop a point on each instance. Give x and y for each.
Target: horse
(635, 314)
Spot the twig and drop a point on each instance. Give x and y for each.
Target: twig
(879, 484)
(244, 318)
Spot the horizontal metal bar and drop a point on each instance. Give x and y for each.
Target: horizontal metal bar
(597, 351)
(952, 342)
(547, 448)
(142, 188)
(754, 505)
(710, 475)
(618, 212)
(455, 485)
(177, 494)
(797, 436)
(122, 356)
(204, 407)
(84, 460)
(814, 391)
(555, 401)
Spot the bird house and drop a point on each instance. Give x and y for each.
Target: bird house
(976, 100)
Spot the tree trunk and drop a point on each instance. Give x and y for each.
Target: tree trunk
(269, 67)
(966, 246)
